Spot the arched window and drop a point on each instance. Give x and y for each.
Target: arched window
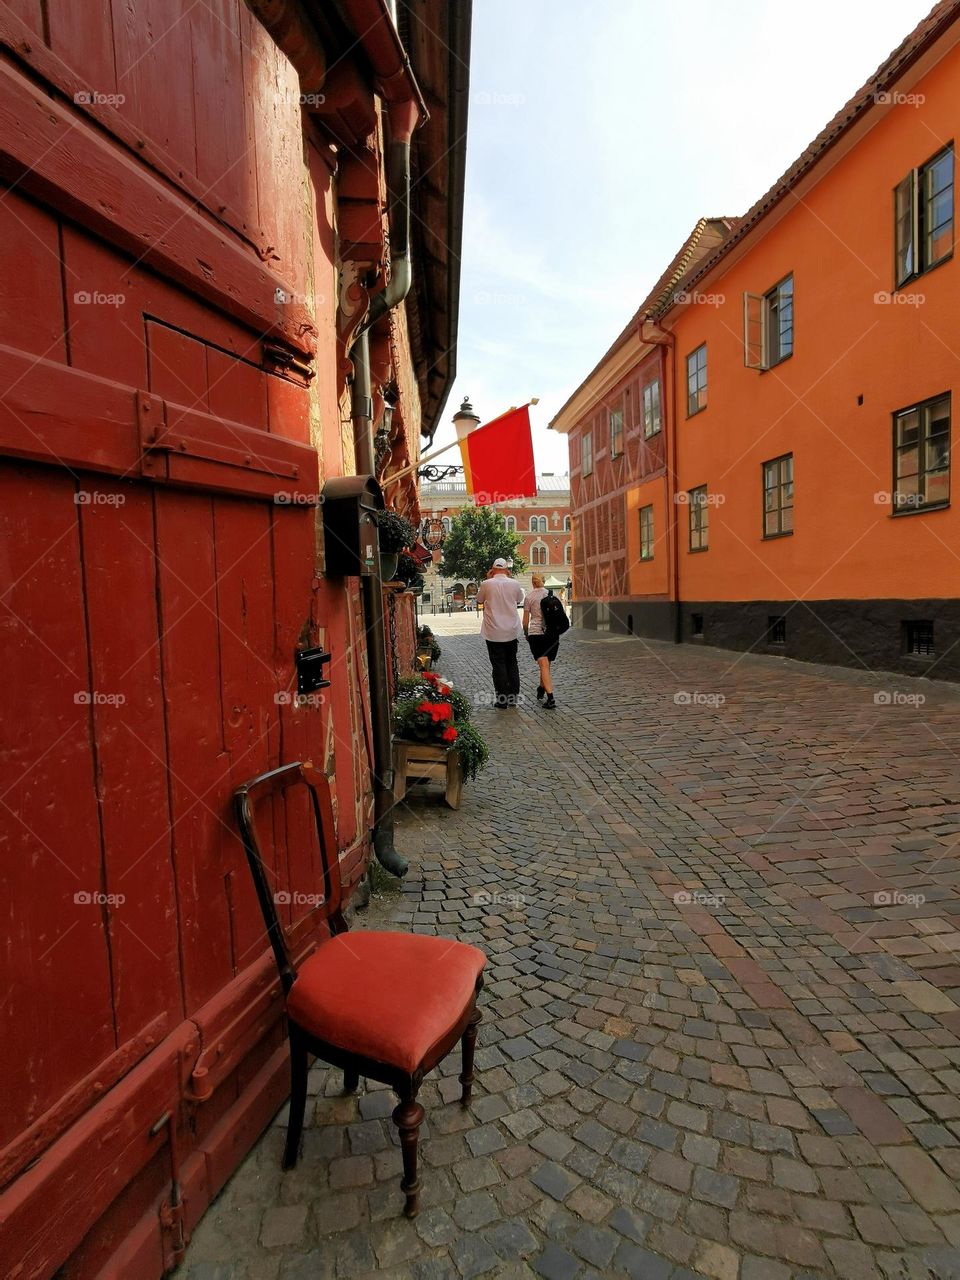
(446, 522)
(568, 553)
(534, 525)
(538, 553)
(542, 524)
(566, 524)
(511, 524)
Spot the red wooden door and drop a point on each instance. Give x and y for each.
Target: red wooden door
(152, 595)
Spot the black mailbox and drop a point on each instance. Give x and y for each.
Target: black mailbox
(350, 531)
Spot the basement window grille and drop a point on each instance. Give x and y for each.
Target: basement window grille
(776, 631)
(918, 639)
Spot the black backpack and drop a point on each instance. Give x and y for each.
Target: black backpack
(555, 620)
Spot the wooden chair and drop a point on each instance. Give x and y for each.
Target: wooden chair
(387, 1006)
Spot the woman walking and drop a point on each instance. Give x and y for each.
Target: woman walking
(543, 645)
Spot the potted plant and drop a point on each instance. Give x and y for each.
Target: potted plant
(433, 735)
(395, 534)
(428, 650)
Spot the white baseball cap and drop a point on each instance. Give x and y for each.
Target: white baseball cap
(500, 563)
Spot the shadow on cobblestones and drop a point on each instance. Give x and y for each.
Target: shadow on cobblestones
(718, 897)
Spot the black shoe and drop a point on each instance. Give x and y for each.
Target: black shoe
(540, 692)
(549, 705)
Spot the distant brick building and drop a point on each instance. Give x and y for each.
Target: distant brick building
(543, 523)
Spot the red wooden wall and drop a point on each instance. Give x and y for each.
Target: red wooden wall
(150, 603)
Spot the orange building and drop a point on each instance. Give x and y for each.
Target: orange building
(808, 367)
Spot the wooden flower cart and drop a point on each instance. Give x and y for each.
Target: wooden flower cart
(415, 761)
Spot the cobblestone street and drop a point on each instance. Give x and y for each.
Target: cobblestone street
(721, 1028)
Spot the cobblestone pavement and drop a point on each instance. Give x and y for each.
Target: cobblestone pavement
(722, 1037)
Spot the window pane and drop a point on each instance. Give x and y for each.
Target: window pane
(937, 211)
(908, 428)
(786, 521)
(770, 524)
(938, 486)
(939, 415)
(907, 461)
(937, 454)
(939, 173)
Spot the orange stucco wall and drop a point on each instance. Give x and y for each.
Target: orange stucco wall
(648, 577)
(838, 243)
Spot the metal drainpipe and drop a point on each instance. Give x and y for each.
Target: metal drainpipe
(403, 118)
(372, 591)
(666, 341)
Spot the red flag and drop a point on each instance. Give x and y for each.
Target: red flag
(498, 459)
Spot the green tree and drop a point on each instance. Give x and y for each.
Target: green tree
(477, 537)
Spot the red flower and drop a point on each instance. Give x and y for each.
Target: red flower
(425, 707)
(449, 735)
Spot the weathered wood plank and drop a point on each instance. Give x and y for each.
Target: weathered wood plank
(56, 157)
(57, 988)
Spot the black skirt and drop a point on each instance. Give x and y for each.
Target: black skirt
(544, 646)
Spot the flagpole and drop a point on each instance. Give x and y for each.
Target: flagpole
(429, 457)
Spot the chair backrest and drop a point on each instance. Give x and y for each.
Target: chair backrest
(246, 799)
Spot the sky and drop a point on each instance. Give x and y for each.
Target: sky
(598, 134)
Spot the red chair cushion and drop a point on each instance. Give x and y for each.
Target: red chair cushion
(387, 996)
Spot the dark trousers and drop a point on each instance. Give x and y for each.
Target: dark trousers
(506, 672)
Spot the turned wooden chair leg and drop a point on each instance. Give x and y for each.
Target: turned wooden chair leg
(298, 1098)
(468, 1044)
(351, 1080)
(408, 1117)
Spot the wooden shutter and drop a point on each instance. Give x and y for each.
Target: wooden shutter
(906, 227)
(754, 353)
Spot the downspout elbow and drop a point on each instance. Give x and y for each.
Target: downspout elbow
(401, 267)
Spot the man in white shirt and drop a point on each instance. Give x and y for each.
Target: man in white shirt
(501, 597)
